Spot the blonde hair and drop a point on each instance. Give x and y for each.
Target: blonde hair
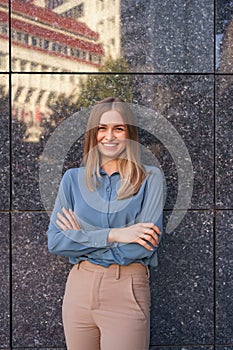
(131, 171)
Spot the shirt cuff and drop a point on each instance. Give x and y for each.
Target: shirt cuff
(99, 238)
(96, 239)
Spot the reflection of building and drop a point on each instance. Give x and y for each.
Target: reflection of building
(4, 85)
(226, 61)
(38, 36)
(224, 36)
(101, 16)
(42, 41)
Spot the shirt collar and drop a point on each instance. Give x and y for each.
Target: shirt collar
(102, 172)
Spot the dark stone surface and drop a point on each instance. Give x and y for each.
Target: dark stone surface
(224, 348)
(224, 138)
(5, 281)
(182, 288)
(4, 153)
(187, 103)
(199, 347)
(26, 162)
(168, 36)
(224, 277)
(25, 170)
(38, 284)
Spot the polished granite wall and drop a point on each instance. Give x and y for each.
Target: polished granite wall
(174, 70)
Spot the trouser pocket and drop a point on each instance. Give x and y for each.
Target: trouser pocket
(140, 290)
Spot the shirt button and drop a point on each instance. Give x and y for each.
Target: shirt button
(108, 189)
(95, 244)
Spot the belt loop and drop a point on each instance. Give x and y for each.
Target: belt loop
(117, 272)
(148, 271)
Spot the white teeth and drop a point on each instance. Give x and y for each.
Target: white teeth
(110, 144)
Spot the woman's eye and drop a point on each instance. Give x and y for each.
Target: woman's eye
(120, 129)
(101, 128)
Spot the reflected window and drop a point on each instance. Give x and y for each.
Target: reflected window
(23, 65)
(29, 94)
(19, 36)
(51, 4)
(14, 63)
(13, 34)
(2, 60)
(40, 96)
(26, 39)
(46, 44)
(40, 43)
(34, 67)
(54, 47)
(59, 48)
(4, 29)
(79, 10)
(72, 51)
(17, 94)
(34, 41)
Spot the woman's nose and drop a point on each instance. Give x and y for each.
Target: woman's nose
(109, 134)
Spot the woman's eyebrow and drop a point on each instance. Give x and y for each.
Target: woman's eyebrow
(112, 124)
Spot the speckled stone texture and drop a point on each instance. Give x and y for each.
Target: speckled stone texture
(182, 288)
(25, 172)
(182, 348)
(168, 36)
(4, 154)
(5, 281)
(224, 277)
(224, 348)
(38, 284)
(224, 142)
(187, 103)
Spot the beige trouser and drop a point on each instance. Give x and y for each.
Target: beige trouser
(107, 308)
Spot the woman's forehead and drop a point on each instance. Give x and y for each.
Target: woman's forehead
(111, 117)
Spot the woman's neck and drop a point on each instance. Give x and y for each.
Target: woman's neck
(110, 167)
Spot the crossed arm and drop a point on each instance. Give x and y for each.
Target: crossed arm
(125, 244)
(141, 233)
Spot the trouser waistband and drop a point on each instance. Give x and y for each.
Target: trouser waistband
(114, 269)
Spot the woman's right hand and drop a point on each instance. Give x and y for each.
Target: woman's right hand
(141, 233)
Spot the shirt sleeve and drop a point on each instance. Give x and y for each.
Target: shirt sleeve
(152, 211)
(72, 243)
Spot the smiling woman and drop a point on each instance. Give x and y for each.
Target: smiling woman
(118, 115)
(108, 219)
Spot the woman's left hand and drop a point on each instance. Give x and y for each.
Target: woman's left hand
(68, 220)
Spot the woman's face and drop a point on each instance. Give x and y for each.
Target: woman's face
(111, 135)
